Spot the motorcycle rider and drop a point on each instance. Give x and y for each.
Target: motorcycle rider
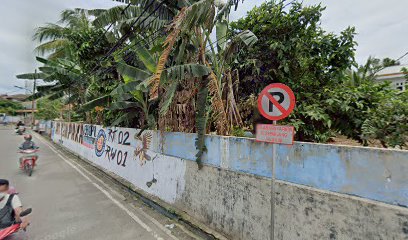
(28, 144)
(10, 207)
(20, 124)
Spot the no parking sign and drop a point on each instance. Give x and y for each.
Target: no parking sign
(276, 101)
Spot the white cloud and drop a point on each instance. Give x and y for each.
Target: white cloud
(381, 27)
(19, 19)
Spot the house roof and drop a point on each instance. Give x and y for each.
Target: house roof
(16, 97)
(391, 72)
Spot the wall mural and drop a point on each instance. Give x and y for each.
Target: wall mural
(126, 152)
(100, 143)
(116, 143)
(89, 136)
(141, 150)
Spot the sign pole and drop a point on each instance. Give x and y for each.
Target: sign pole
(275, 102)
(273, 190)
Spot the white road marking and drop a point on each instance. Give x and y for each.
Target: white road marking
(120, 205)
(154, 221)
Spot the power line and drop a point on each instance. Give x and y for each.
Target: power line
(403, 56)
(102, 35)
(120, 42)
(126, 58)
(128, 35)
(136, 43)
(382, 68)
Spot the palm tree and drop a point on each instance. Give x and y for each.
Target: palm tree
(56, 39)
(165, 78)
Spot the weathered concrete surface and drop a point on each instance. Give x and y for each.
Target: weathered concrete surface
(233, 203)
(238, 205)
(373, 173)
(307, 213)
(231, 193)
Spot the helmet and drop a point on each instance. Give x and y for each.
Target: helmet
(28, 137)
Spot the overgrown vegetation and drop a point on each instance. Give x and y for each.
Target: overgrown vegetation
(157, 66)
(389, 121)
(48, 109)
(9, 107)
(293, 49)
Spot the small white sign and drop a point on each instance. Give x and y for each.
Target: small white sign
(275, 134)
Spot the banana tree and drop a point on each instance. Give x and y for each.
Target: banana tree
(186, 42)
(63, 78)
(227, 80)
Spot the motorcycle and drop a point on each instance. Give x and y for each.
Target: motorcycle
(14, 227)
(28, 160)
(20, 130)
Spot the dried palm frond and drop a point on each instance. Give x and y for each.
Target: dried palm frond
(175, 28)
(234, 117)
(220, 116)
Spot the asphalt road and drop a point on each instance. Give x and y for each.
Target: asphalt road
(72, 201)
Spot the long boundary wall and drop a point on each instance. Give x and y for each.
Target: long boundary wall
(323, 191)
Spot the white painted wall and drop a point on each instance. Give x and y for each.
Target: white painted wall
(165, 173)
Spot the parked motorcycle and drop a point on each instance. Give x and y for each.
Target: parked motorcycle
(28, 160)
(14, 227)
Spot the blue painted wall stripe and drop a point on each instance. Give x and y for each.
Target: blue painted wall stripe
(377, 174)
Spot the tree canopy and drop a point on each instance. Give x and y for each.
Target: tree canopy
(182, 66)
(9, 107)
(294, 49)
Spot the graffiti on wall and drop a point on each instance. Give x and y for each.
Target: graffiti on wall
(57, 128)
(128, 153)
(89, 136)
(71, 131)
(109, 145)
(100, 143)
(144, 145)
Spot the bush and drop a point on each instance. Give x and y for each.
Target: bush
(389, 121)
(349, 106)
(48, 109)
(9, 107)
(294, 49)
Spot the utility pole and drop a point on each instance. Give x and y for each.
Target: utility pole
(33, 100)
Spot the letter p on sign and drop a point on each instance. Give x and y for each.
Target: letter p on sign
(276, 101)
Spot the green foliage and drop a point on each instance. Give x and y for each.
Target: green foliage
(238, 132)
(293, 49)
(48, 109)
(89, 46)
(9, 107)
(388, 62)
(201, 121)
(349, 106)
(388, 122)
(164, 79)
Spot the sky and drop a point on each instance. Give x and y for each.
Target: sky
(381, 27)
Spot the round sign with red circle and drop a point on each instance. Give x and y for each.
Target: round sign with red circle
(276, 101)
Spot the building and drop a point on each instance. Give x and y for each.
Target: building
(25, 114)
(395, 75)
(15, 97)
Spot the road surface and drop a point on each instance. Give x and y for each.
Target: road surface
(72, 201)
